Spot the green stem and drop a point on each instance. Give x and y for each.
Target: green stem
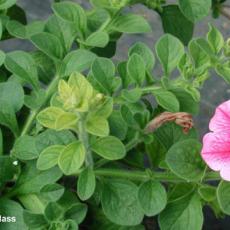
(149, 89)
(142, 175)
(49, 92)
(83, 136)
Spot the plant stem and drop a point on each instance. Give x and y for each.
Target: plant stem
(83, 136)
(49, 92)
(142, 175)
(149, 89)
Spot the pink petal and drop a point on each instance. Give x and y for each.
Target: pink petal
(216, 151)
(225, 173)
(221, 119)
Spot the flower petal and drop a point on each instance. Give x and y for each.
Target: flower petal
(225, 173)
(216, 150)
(221, 119)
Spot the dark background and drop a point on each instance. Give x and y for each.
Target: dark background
(214, 91)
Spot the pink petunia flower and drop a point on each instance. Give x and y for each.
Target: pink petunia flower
(216, 144)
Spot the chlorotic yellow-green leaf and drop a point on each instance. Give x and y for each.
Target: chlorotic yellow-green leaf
(66, 121)
(72, 158)
(103, 106)
(49, 157)
(48, 116)
(97, 126)
(76, 93)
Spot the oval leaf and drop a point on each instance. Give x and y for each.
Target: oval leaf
(72, 157)
(152, 197)
(184, 159)
(110, 148)
(86, 184)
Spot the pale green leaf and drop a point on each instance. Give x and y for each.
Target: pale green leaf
(110, 148)
(48, 158)
(72, 158)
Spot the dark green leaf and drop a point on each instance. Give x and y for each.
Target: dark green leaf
(184, 159)
(152, 197)
(223, 196)
(86, 184)
(17, 29)
(167, 100)
(97, 39)
(22, 64)
(52, 192)
(185, 213)
(145, 52)
(136, 68)
(14, 210)
(207, 193)
(71, 12)
(34, 221)
(32, 180)
(76, 212)
(49, 44)
(51, 137)
(53, 211)
(2, 56)
(5, 4)
(118, 126)
(103, 71)
(175, 23)
(171, 133)
(25, 148)
(224, 72)
(65, 31)
(187, 103)
(77, 61)
(169, 51)
(120, 204)
(7, 169)
(215, 39)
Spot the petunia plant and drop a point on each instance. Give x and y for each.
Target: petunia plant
(87, 142)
